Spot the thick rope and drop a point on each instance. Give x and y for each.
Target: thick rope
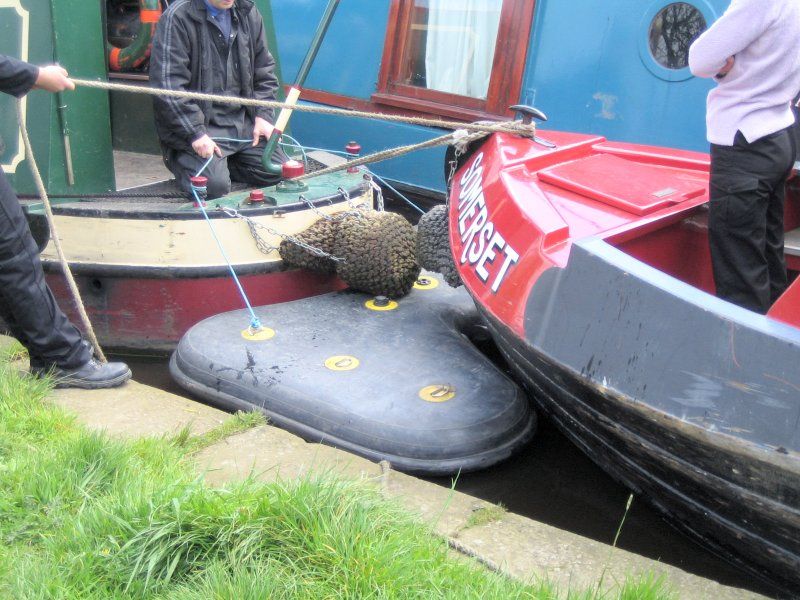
(462, 135)
(37, 177)
(500, 126)
(461, 139)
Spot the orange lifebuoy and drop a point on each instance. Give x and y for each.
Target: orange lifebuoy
(131, 57)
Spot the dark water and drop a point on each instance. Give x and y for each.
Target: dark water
(553, 482)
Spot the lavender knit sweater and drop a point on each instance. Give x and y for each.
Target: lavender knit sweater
(754, 98)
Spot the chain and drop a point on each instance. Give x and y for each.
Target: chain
(379, 191)
(261, 243)
(314, 208)
(457, 153)
(346, 195)
(266, 248)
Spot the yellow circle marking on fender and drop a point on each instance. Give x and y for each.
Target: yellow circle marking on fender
(426, 283)
(391, 305)
(262, 335)
(437, 393)
(342, 363)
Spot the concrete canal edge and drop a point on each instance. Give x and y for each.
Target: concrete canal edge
(518, 546)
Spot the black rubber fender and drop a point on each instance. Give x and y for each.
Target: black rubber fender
(386, 396)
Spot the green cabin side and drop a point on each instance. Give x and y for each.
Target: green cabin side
(73, 34)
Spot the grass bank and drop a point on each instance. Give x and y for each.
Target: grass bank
(85, 516)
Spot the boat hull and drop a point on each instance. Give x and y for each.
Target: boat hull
(133, 311)
(657, 384)
(148, 271)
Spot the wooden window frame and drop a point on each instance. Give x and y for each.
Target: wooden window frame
(508, 67)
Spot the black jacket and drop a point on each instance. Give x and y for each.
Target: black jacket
(181, 59)
(16, 77)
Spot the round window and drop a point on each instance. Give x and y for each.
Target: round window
(672, 31)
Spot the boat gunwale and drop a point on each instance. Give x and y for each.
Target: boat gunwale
(124, 271)
(182, 215)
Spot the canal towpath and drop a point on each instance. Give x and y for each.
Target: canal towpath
(518, 546)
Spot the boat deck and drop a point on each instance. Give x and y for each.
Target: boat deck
(133, 169)
(145, 187)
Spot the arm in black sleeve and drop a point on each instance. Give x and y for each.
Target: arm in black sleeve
(169, 69)
(265, 82)
(16, 77)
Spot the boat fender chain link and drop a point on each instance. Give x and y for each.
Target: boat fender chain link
(379, 203)
(267, 248)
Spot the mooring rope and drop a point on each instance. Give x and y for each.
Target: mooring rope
(499, 127)
(462, 134)
(37, 177)
(454, 137)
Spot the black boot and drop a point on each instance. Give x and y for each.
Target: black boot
(92, 375)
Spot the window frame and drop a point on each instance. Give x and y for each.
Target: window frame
(508, 67)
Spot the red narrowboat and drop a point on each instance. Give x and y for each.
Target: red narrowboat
(589, 261)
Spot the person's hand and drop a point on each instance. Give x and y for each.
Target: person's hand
(262, 127)
(53, 78)
(205, 147)
(727, 68)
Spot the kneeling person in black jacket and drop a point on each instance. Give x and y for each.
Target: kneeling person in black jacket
(214, 47)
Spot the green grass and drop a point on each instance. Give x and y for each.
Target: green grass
(238, 423)
(86, 516)
(485, 515)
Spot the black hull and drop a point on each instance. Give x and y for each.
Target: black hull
(734, 489)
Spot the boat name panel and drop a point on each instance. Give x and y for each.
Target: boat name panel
(480, 237)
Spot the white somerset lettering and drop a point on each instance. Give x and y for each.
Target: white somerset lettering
(511, 258)
(482, 243)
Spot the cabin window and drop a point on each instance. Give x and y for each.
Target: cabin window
(450, 56)
(672, 31)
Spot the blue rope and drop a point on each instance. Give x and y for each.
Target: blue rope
(295, 144)
(388, 185)
(255, 323)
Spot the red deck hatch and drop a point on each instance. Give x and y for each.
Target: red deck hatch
(634, 187)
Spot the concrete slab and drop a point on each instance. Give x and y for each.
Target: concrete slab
(136, 410)
(528, 550)
(520, 547)
(271, 453)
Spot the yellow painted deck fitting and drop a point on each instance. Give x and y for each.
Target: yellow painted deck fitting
(391, 305)
(426, 283)
(342, 363)
(437, 393)
(262, 335)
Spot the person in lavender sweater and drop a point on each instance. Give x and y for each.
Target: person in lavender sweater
(753, 53)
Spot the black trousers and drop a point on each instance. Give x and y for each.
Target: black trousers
(26, 303)
(241, 162)
(745, 223)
